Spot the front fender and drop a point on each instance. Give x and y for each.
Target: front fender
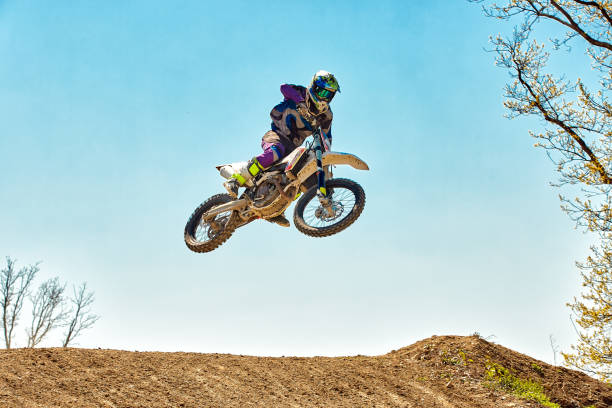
(331, 158)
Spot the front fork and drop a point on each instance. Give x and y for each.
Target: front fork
(324, 199)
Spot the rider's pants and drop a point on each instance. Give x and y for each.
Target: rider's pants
(273, 149)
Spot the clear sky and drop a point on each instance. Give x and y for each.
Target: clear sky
(113, 115)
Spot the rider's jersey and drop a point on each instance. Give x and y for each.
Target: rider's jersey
(293, 127)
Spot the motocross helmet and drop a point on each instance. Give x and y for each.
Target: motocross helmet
(321, 91)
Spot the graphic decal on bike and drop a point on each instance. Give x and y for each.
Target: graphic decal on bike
(297, 154)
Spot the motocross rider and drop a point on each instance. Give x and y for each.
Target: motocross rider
(293, 120)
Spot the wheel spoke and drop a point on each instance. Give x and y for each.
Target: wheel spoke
(342, 198)
(205, 232)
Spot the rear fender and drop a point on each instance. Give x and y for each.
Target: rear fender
(331, 158)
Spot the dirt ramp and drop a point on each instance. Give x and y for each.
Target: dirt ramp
(437, 372)
(471, 360)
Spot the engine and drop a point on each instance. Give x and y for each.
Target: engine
(265, 194)
(268, 200)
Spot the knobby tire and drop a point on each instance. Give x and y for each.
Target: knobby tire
(298, 215)
(194, 220)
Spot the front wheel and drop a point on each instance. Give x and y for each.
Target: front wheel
(204, 236)
(347, 200)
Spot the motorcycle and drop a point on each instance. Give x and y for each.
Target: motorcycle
(325, 207)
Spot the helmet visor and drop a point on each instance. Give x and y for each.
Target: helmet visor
(323, 94)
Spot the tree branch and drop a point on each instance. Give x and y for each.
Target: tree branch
(601, 9)
(574, 26)
(605, 178)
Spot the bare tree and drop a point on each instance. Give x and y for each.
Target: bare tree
(81, 316)
(47, 310)
(14, 287)
(554, 347)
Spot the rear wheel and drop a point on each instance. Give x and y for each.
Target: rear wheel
(347, 200)
(204, 236)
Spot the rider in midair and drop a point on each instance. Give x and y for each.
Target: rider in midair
(293, 120)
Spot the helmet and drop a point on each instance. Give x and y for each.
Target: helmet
(320, 92)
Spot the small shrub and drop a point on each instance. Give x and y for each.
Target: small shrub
(464, 357)
(525, 389)
(459, 359)
(537, 368)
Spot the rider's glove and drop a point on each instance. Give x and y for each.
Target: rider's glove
(306, 114)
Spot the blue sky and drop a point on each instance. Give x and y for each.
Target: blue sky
(114, 114)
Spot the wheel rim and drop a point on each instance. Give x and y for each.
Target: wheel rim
(342, 199)
(208, 230)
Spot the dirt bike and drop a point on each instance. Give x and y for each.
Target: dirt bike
(325, 207)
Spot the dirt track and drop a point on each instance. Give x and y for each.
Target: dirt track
(441, 372)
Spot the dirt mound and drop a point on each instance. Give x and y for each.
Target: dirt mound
(447, 371)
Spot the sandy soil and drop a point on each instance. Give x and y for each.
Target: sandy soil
(447, 371)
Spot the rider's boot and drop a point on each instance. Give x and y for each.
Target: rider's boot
(232, 187)
(280, 220)
(239, 175)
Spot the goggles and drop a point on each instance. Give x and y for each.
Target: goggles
(323, 94)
